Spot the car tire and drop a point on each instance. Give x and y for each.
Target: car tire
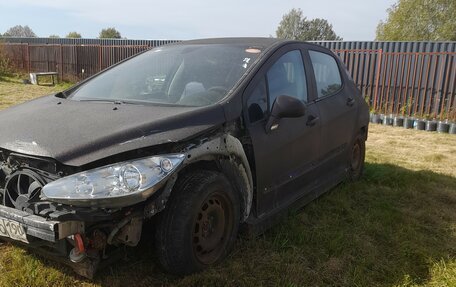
(356, 157)
(199, 225)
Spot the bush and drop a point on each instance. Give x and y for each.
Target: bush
(5, 63)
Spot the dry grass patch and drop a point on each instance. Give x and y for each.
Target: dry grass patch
(415, 150)
(13, 92)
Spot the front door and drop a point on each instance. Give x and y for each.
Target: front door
(284, 156)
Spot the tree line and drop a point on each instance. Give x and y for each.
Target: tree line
(26, 31)
(407, 20)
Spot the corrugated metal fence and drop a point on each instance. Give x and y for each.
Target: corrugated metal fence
(73, 59)
(83, 41)
(72, 62)
(409, 78)
(406, 83)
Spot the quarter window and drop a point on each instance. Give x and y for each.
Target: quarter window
(327, 74)
(287, 77)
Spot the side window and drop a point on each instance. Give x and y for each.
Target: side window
(257, 103)
(327, 74)
(287, 77)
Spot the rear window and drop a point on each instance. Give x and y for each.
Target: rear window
(327, 74)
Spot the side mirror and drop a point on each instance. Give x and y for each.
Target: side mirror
(284, 107)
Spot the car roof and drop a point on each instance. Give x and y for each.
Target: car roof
(261, 42)
(248, 41)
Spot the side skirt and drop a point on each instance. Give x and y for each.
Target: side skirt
(255, 226)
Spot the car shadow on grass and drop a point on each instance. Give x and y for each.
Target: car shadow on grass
(393, 227)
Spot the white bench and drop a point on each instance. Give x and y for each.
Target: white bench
(34, 77)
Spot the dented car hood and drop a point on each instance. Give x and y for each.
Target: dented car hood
(79, 132)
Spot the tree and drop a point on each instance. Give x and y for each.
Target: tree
(320, 29)
(73, 34)
(109, 33)
(291, 25)
(54, 36)
(295, 26)
(419, 20)
(19, 31)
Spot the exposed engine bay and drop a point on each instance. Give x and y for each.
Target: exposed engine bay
(84, 235)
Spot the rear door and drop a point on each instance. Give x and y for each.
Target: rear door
(337, 109)
(285, 156)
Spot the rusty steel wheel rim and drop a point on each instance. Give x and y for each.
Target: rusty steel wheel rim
(356, 156)
(212, 228)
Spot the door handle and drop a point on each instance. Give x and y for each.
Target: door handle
(350, 102)
(311, 121)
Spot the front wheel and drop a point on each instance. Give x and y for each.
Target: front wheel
(356, 158)
(199, 225)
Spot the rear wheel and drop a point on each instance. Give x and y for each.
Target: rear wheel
(199, 224)
(356, 158)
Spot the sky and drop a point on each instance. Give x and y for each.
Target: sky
(353, 20)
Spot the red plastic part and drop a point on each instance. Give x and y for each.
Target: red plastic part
(79, 242)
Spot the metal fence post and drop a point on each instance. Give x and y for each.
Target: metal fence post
(377, 77)
(28, 59)
(61, 62)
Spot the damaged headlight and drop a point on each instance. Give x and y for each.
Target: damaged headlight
(114, 185)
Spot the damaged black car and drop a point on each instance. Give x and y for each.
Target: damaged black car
(202, 137)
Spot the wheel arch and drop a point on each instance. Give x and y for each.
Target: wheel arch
(224, 153)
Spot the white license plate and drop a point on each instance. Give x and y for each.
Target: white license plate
(12, 229)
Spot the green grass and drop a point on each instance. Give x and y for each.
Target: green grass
(394, 227)
(12, 91)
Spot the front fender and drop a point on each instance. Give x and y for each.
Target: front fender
(229, 154)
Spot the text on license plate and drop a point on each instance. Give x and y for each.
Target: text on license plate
(12, 229)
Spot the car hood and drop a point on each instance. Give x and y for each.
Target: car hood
(79, 132)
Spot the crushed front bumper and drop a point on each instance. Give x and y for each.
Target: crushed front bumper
(36, 226)
(38, 232)
(53, 239)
